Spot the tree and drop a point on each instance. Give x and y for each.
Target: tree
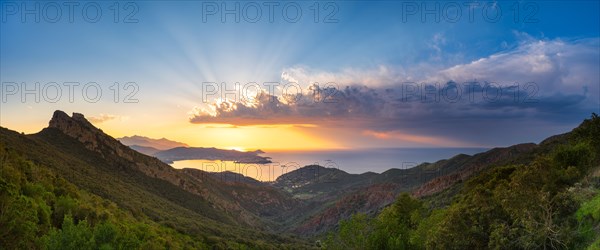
(71, 236)
(395, 224)
(353, 233)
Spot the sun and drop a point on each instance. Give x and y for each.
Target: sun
(237, 148)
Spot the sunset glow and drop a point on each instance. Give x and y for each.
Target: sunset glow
(333, 125)
(391, 86)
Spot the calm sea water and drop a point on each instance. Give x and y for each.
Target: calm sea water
(351, 161)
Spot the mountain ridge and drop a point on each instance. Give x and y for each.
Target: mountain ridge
(143, 141)
(169, 151)
(307, 202)
(100, 164)
(202, 153)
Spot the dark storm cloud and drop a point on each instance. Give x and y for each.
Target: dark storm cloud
(537, 89)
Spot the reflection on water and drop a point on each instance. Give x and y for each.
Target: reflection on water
(370, 160)
(351, 161)
(261, 172)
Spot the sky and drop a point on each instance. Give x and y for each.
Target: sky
(304, 75)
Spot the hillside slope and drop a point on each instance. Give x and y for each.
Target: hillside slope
(545, 198)
(196, 204)
(333, 195)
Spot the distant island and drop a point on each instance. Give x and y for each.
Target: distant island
(195, 153)
(170, 151)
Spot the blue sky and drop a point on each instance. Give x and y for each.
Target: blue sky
(371, 46)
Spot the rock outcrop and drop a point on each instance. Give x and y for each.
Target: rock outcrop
(93, 138)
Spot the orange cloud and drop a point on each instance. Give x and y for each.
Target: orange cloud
(425, 140)
(103, 118)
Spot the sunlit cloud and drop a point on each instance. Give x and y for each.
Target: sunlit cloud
(104, 118)
(534, 70)
(349, 103)
(219, 125)
(530, 83)
(418, 139)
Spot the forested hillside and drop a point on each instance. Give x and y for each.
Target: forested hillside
(72, 171)
(40, 209)
(71, 186)
(551, 201)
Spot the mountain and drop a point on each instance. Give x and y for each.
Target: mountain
(197, 153)
(335, 194)
(145, 150)
(169, 151)
(228, 176)
(145, 142)
(73, 175)
(527, 196)
(189, 201)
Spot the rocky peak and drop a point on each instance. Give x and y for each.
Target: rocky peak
(79, 117)
(81, 129)
(61, 121)
(76, 126)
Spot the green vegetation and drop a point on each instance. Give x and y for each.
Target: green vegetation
(551, 202)
(103, 183)
(41, 210)
(57, 194)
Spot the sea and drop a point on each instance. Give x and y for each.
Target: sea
(352, 161)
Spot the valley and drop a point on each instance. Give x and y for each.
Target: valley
(215, 208)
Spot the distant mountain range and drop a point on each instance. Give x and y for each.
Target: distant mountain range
(221, 207)
(145, 142)
(169, 151)
(369, 192)
(193, 153)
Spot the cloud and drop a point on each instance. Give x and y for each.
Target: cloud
(306, 76)
(542, 82)
(437, 42)
(415, 139)
(323, 105)
(555, 65)
(103, 118)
